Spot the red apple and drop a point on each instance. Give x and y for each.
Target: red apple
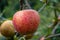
(42, 38)
(26, 21)
(7, 28)
(59, 18)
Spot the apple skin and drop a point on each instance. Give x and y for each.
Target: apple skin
(7, 28)
(26, 21)
(59, 18)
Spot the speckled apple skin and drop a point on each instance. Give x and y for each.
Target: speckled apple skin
(7, 28)
(26, 21)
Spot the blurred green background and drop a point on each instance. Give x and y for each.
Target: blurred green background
(47, 15)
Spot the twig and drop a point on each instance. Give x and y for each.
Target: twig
(10, 38)
(26, 1)
(21, 4)
(53, 35)
(56, 19)
(3, 18)
(53, 25)
(44, 5)
(1, 14)
(55, 14)
(54, 5)
(17, 34)
(53, 31)
(22, 38)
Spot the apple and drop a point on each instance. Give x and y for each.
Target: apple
(7, 28)
(26, 21)
(59, 18)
